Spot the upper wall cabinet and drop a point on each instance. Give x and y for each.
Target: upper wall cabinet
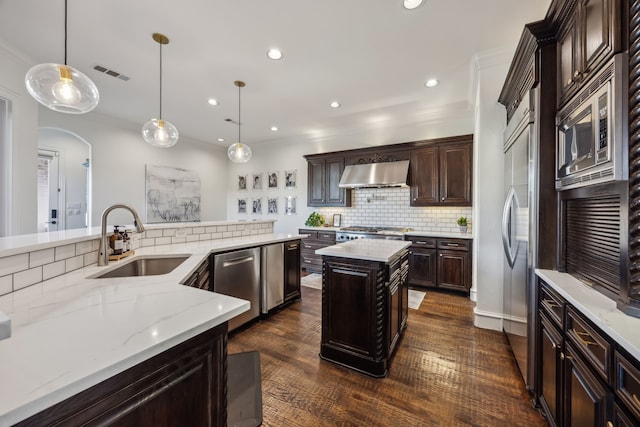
(587, 39)
(324, 174)
(441, 174)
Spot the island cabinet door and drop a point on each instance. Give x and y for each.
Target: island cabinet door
(185, 386)
(353, 300)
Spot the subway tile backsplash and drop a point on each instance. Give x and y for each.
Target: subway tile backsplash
(29, 268)
(389, 207)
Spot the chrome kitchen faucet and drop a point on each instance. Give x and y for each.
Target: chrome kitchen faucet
(103, 256)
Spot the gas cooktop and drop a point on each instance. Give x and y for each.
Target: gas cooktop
(363, 232)
(363, 229)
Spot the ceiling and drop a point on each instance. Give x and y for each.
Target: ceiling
(372, 56)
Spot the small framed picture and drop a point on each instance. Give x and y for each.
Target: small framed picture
(257, 181)
(290, 178)
(290, 205)
(256, 207)
(272, 180)
(272, 205)
(337, 220)
(242, 206)
(242, 182)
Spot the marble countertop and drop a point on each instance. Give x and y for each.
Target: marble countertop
(11, 245)
(598, 308)
(439, 234)
(366, 249)
(72, 332)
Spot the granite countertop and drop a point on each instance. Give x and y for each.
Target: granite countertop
(72, 332)
(598, 308)
(366, 249)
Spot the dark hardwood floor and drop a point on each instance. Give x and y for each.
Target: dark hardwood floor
(445, 372)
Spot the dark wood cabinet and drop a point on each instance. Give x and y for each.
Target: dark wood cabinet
(200, 278)
(315, 240)
(440, 263)
(582, 379)
(589, 37)
(185, 385)
(586, 400)
(291, 270)
(323, 177)
(422, 262)
(362, 312)
(441, 174)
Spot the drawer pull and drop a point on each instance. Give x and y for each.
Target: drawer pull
(551, 303)
(609, 424)
(635, 399)
(581, 336)
(453, 244)
(421, 243)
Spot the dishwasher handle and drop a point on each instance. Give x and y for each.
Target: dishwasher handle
(237, 261)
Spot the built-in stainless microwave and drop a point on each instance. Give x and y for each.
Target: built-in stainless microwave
(591, 132)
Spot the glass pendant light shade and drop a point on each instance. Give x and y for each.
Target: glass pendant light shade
(239, 153)
(160, 133)
(60, 87)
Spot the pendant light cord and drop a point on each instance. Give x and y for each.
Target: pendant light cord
(160, 80)
(239, 122)
(65, 32)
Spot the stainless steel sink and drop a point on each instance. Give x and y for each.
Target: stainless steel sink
(145, 266)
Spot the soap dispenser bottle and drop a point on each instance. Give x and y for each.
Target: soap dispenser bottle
(116, 241)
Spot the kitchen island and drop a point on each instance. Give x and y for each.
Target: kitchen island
(364, 303)
(94, 347)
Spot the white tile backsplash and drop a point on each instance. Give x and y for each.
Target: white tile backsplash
(6, 284)
(13, 264)
(389, 207)
(26, 278)
(22, 270)
(37, 258)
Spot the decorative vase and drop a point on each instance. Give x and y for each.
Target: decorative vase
(463, 229)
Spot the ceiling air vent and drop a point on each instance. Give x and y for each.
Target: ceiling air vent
(112, 73)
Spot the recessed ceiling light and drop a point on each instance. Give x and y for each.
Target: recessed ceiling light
(431, 83)
(212, 101)
(335, 104)
(274, 128)
(220, 139)
(412, 4)
(274, 54)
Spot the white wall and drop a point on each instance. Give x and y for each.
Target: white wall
(19, 177)
(287, 155)
(489, 73)
(119, 156)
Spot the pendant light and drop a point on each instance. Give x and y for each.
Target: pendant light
(158, 132)
(239, 152)
(60, 87)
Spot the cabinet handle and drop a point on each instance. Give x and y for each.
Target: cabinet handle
(421, 243)
(415, 198)
(576, 74)
(443, 199)
(569, 81)
(561, 356)
(581, 336)
(609, 424)
(441, 255)
(554, 346)
(292, 247)
(551, 303)
(635, 399)
(455, 245)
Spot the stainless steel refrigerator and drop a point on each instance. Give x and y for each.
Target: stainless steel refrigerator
(518, 231)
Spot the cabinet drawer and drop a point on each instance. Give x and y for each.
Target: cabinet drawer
(627, 384)
(311, 234)
(312, 245)
(552, 304)
(422, 242)
(454, 244)
(328, 236)
(590, 343)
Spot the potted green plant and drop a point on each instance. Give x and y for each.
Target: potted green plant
(462, 223)
(314, 220)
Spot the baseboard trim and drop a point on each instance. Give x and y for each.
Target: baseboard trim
(487, 320)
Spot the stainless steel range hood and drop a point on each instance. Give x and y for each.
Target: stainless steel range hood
(386, 174)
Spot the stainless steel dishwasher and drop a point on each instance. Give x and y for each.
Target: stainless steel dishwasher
(272, 276)
(238, 274)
